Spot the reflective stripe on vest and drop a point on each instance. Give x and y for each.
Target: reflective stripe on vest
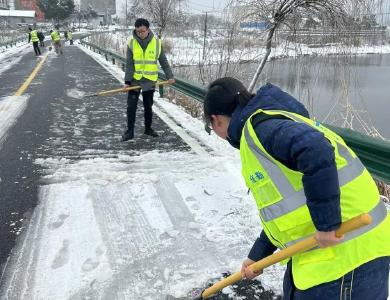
(294, 199)
(145, 62)
(378, 214)
(34, 36)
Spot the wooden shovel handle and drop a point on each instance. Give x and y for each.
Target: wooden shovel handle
(105, 93)
(304, 245)
(134, 87)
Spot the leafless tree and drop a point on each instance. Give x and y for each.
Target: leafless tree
(278, 13)
(135, 9)
(162, 12)
(217, 61)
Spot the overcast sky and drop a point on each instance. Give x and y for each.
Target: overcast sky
(194, 6)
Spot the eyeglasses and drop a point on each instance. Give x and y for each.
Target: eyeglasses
(141, 31)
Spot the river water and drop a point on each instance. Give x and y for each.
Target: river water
(332, 87)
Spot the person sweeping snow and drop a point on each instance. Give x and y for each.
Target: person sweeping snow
(305, 180)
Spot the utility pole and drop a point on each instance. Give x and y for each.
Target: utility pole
(126, 15)
(204, 37)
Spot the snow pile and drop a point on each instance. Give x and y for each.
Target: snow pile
(11, 108)
(11, 56)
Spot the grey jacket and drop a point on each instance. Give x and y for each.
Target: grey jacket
(146, 84)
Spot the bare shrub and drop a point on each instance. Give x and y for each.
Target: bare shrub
(190, 105)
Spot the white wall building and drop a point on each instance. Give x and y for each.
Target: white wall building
(4, 4)
(18, 17)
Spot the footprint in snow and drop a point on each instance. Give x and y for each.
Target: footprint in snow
(62, 256)
(89, 265)
(59, 222)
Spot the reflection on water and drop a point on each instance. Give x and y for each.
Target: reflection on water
(331, 87)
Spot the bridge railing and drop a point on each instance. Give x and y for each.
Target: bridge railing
(13, 42)
(373, 152)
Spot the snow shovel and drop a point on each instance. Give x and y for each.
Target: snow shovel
(304, 245)
(134, 87)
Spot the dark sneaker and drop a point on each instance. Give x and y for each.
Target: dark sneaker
(151, 132)
(127, 136)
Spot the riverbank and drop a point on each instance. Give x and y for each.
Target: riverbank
(215, 50)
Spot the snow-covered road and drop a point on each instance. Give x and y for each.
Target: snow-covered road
(119, 224)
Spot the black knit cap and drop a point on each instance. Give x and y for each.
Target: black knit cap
(223, 96)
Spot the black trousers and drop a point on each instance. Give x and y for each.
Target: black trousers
(36, 48)
(132, 102)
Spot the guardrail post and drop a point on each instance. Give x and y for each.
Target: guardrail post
(106, 57)
(113, 60)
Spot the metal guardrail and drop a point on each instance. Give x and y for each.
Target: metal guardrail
(13, 42)
(187, 88)
(115, 58)
(373, 152)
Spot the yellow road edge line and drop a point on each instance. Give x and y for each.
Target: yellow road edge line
(30, 78)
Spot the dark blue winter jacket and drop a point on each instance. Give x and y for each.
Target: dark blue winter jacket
(299, 147)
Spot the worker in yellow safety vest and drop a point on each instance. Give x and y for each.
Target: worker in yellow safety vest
(33, 37)
(143, 52)
(70, 37)
(305, 180)
(56, 40)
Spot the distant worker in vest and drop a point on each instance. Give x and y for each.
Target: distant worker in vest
(56, 40)
(33, 37)
(305, 181)
(143, 52)
(70, 37)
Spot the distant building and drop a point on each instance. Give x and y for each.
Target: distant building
(102, 7)
(245, 16)
(255, 25)
(30, 5)
(4, 4)
(18, 17)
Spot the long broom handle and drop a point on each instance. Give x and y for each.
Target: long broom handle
(304, 245)
(136, 87)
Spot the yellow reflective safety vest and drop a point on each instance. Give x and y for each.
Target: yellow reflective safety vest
(280, 198)
(70, 35)
(34, 36)
(55, 36)
(145, 62)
